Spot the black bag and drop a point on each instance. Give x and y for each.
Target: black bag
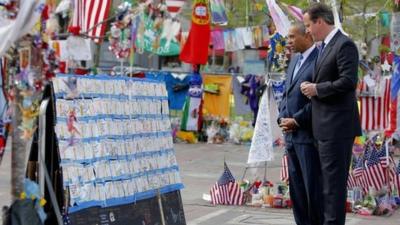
(21, 212)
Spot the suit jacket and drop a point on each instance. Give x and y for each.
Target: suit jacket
(334, 109)
(294, 104)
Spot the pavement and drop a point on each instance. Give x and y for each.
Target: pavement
(202, 164)
(200, 167)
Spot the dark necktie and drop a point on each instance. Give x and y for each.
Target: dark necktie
(321, 48)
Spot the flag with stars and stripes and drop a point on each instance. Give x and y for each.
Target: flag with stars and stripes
(375, 106)
(226, 191)
(358, 173)
(388, 164)
(374, 171)
(351, 181)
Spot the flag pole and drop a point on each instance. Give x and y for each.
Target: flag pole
(387, 165)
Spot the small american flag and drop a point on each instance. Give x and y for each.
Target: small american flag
(351, 181)
(384, 156)
(388, 165)
(374, 171)
(284, 174)
(358, 173)
(88, 14)
(226, 191)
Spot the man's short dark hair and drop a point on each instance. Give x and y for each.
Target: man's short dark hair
(320, 10)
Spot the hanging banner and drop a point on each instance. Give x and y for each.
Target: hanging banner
(261, 148)
(195, 50)
(192, 110)
(281, 21)
(218, 14)
(13, 29)
(153, 40)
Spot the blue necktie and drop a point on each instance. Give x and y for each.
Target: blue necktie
(297, 67)
(321, 49)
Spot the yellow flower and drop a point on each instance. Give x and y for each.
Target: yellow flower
(42, 202)
(279, 48)
(22, 195)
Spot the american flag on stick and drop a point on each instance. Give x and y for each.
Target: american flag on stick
(351, 181)
(226, 191)
(374, 171)
(358, 174)
(88, 15)
(284, 173)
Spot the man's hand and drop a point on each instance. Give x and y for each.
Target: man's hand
(288, 125)
(308, 89)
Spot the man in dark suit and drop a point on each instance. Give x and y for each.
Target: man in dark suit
(335, 117)
(295, 121)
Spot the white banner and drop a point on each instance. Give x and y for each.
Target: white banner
(261, 148)
(281, 21)
(12, 30)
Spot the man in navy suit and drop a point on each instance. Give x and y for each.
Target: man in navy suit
(335, 117)
(295, 121)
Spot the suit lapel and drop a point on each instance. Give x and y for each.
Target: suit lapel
(325, 53)
(303, 67)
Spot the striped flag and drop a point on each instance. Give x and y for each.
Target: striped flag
(226, 191)
(358, 174)
(174, 7)
(384, 157)
(374, 171)
(351, 181)
(374, 113)
(88, 14)
(284, 174)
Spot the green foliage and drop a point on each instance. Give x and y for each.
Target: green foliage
(358, 22)
(359, 26)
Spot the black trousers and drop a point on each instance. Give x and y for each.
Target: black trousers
(305, 183)
(335, 157)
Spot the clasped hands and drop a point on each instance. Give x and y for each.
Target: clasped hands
(308, 89)
(287, 125)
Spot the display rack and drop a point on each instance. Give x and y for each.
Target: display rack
(116, 150)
